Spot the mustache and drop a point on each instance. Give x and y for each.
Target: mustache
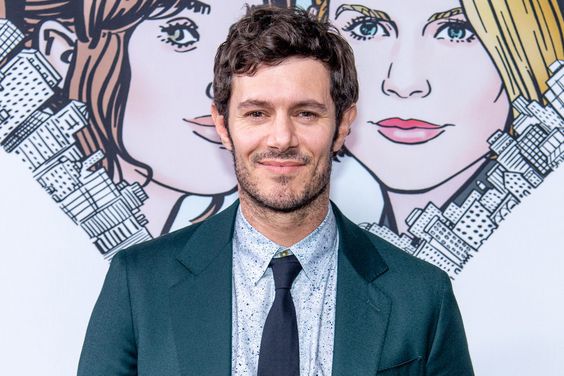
(290, 154)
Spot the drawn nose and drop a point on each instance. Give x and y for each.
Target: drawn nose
(405, 82)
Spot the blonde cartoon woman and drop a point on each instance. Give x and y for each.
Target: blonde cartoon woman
(143, 67)
(437, 79)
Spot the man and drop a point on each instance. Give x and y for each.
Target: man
(281, 283)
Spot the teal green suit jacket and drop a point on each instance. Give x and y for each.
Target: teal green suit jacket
(165, 309)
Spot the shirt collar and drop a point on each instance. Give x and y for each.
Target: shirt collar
(254, 251)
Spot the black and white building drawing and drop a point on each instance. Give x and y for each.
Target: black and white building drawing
(108, 212)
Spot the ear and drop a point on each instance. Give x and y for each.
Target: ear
(344, 127)
(57, 43)
(221, 128)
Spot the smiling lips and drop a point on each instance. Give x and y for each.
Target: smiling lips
(411, 131)
(281, 166)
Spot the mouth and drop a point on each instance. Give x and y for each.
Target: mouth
(281, 167)
(410, 131)
(203, 127)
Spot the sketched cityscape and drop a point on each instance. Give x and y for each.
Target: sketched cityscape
(449, 238)
(109, 213)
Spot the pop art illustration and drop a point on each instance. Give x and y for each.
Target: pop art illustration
(460, 114)
(134, 127)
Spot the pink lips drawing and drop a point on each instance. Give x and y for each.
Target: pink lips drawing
(410, 132)
(204, 127)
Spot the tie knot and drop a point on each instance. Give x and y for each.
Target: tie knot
(285, 271)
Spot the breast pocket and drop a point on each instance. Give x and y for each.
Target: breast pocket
(412, 367)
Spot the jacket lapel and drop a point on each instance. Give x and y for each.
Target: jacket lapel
(200, 298)
(362, 310)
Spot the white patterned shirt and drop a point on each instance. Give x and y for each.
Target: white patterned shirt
(313, 293)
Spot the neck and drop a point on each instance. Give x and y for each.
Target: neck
(157, 208)
(403, 203)
(285, 228)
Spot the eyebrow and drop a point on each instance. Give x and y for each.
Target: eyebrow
(194, 6)
(364, 10)
(311, 104)
(446, 14)
(199, 7)
(250, 103)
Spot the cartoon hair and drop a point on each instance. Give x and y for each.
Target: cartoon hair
(100, 72)
(36, 12)
(522, 37)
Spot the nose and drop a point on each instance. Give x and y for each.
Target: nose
(404, 79)
(282, 133)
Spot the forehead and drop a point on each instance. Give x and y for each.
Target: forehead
(420, 10)
(293, 80)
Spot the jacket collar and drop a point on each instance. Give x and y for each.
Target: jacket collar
(201, 299)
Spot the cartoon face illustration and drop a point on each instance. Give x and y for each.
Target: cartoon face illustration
(430, 93)
(437, 80)
(165, 123)
(145, 69)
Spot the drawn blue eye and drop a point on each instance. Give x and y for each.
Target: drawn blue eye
(456, 31)
(365, 28)
(182, 35)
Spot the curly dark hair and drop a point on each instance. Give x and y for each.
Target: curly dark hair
(270, 35)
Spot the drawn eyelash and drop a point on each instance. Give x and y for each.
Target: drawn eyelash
(180, 34)
(463, 25)
(363, 21)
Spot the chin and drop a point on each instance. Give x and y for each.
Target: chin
(413, 184)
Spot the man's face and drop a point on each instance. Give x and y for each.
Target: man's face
(281, 128)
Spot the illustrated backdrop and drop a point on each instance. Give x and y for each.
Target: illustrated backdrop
(107, 141)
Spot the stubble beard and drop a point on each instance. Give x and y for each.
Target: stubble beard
(282, 200)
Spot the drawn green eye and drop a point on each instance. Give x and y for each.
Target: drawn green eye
(456, 31)
(365, 28)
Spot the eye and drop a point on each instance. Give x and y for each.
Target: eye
(456, 31)
(255, 114)
(365, 28)
(182, 34)
(307, 114)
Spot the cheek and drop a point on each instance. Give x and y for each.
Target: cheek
(476, 102)
(166, 84)
(468, 81)
(372, 64)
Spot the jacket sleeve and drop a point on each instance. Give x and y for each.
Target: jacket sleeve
(449, 349)
(110, 345)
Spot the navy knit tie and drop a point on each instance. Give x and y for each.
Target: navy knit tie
(279, 347)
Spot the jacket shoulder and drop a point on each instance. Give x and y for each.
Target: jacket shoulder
(156, 252)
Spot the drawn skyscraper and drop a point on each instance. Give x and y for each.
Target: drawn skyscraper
(45, 142)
